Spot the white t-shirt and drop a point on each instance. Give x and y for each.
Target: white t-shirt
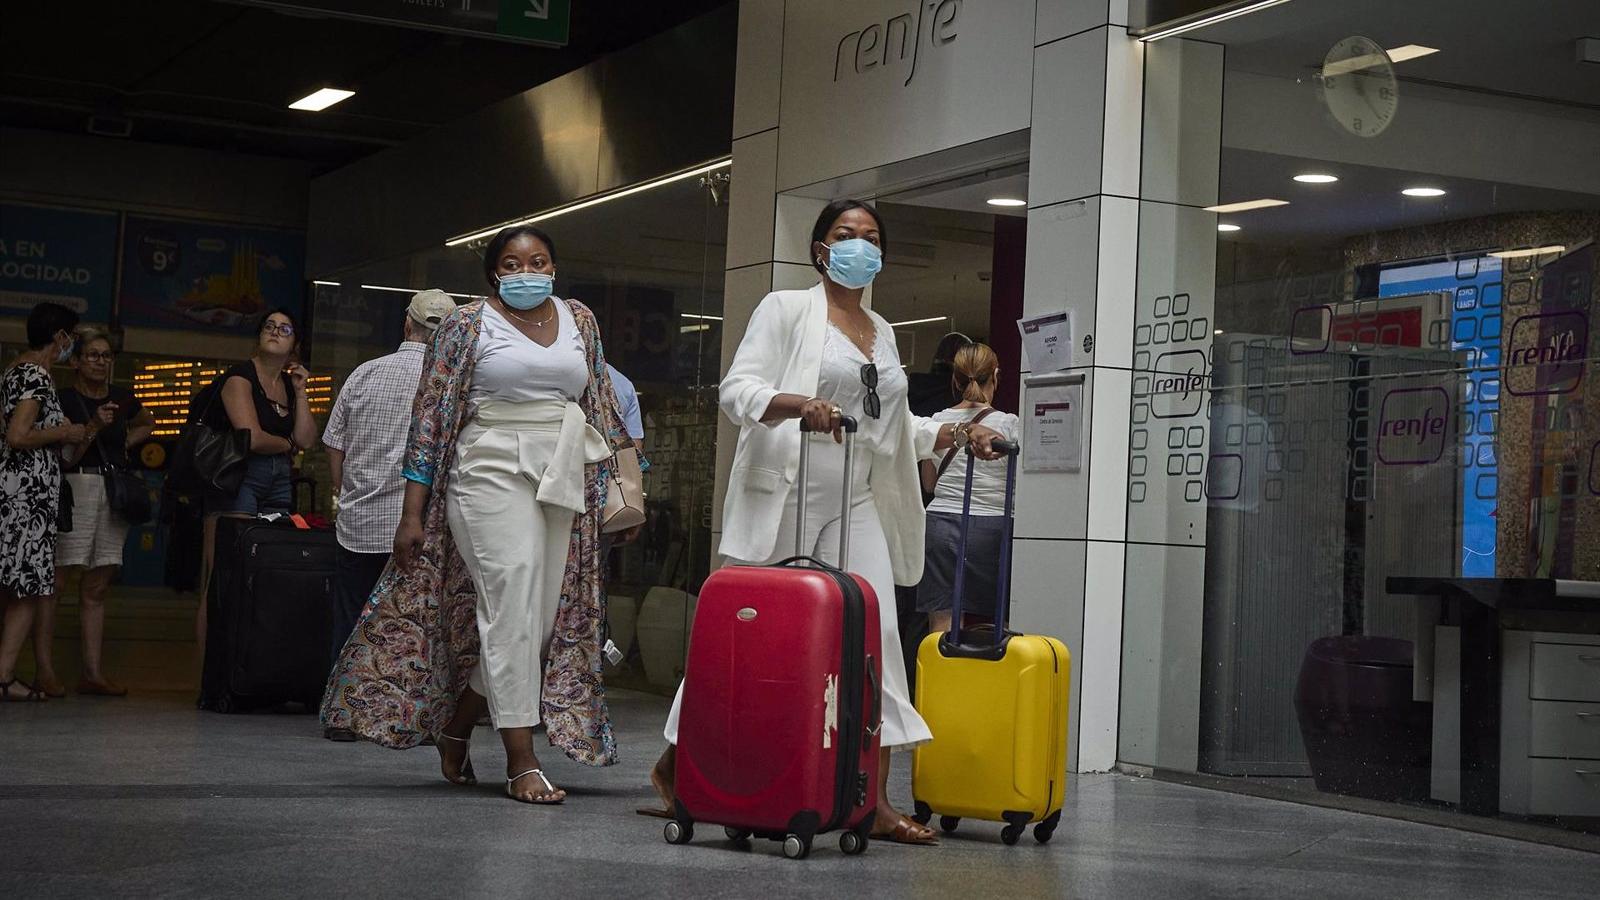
(988, 476)
(511, 366)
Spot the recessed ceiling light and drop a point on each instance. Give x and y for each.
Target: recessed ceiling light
(1410, 51)
(1246, 206)
(1006, 201)
(1224, 226)
(1423, 192)
(1529, 251)
(1316, 178)
(316, 101)
(1218, 331)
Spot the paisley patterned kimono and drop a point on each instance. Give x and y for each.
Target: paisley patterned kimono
(400, 673)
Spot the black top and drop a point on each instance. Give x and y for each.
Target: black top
(929, 392)
(277, 421)
(114, 437)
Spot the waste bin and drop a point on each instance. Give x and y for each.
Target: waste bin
(1364, 734)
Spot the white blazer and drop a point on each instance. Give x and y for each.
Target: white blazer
(782, 354)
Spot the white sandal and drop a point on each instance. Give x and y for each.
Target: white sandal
(548, 789)
(466, 761)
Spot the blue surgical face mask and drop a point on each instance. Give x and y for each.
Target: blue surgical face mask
(853, 262)
(525, 290)
(65, 354)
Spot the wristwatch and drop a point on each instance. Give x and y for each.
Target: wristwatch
(960, 435)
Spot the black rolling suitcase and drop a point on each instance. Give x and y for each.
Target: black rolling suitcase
(269, 612)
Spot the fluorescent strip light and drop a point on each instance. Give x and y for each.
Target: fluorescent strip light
(1316, 178)
(919, 321)
(1423, 192)
(317, 101)
(1006, 201)
(401, 290)
(691, 329)
(1410, 51)
(694, 316)
(592, 201)
(1224, 226)
(327, 283)
(1181, 26)
(1529, 251)
(1246, 206)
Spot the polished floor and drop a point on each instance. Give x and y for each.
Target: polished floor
(148, 797)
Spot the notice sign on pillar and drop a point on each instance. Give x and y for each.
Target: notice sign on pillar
(1053, 427)
(1047, 341)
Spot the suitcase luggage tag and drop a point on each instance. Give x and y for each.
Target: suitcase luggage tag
(952, 644)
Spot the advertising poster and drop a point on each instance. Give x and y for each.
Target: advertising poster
(68, 256)
(180, 274)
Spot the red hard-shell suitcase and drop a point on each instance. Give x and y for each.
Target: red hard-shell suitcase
(778, 731)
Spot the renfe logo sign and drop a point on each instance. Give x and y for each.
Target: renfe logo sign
(887, 45)
(1546, 353)
(1178, 384)
(1412, 426)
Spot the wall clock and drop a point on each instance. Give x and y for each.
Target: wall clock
(1359, 86)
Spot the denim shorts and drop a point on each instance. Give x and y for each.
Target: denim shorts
(265, 488)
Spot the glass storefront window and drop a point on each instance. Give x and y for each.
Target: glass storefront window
(1365, 416)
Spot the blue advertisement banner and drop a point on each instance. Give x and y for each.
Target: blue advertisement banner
(66, 256)
(181, 274)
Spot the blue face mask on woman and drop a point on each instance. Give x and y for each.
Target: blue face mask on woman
(525, 290)
(854, 262)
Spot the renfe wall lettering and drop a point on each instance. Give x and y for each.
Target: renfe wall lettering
(888, 45)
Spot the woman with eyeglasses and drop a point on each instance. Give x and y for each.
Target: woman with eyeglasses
(820, 355)
(265, 395)
(116, 422)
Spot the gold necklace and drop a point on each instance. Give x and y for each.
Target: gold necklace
(539, 324)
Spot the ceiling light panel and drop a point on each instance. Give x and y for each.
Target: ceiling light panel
(319, 100)
(1423, 192)
(1247, 205)
(1316, 178)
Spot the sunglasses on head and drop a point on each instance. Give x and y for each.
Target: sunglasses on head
(872, 406)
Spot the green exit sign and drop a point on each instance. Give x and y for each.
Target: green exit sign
(544, 21)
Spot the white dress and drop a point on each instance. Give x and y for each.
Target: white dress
(840, 381)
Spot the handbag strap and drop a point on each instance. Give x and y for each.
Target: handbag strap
(950, 454)
(105, 458)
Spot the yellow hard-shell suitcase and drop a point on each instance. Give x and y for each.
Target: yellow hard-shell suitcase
(997, 706)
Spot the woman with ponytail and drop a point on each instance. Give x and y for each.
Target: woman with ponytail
(974, 372)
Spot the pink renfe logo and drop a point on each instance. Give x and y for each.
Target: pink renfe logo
(1412, 426)
(1546, 353)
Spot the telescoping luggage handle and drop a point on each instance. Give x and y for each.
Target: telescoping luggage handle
(848, 423)
(1002, 600)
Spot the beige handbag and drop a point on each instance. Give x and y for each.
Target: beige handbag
(624, 494)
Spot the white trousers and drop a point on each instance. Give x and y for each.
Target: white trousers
(903, 727)
(515, 549)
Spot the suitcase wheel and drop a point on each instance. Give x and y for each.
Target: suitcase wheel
(678, 832)
(1011, 833)
(850, 842)
(1045, 830)
(796, 847)
(223, 703)
(735, 834)
(948, 824)
(922, 814)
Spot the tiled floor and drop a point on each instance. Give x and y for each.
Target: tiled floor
(147, 797)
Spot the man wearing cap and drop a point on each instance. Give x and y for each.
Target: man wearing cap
(365, 438)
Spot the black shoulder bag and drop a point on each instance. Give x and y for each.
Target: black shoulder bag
(209, 458)
(126, 492)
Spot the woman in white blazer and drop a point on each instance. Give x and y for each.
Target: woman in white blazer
(819, 355)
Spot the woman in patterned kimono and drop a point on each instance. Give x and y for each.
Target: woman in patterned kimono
(30, 483)
(493, 599)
